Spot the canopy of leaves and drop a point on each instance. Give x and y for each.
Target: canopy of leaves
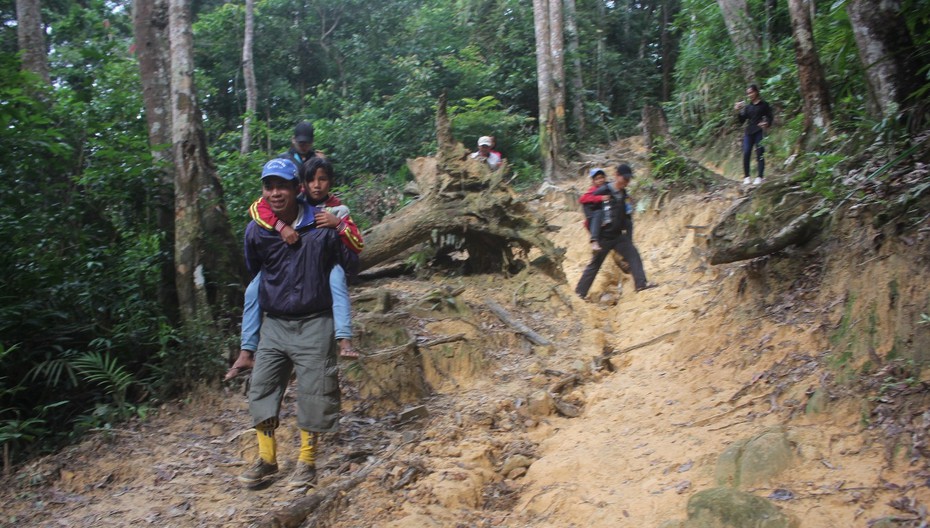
(83, 268)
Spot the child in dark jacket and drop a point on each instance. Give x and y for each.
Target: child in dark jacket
(594, 213)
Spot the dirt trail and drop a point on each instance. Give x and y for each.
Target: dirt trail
(717, 354)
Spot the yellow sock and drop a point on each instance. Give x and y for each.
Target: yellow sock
(308, 442)
(267, 445)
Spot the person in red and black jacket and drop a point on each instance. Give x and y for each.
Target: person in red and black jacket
(616, 235)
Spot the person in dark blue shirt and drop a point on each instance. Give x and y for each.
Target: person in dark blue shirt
(297, 332)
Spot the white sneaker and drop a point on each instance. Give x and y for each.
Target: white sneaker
(747, 181)
(757, 181)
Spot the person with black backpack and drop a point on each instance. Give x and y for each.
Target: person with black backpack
(615, 235)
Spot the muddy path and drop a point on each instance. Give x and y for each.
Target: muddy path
(616, 423)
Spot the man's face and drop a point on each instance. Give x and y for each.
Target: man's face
(621, 182)
(599, 179)
(752, 94)
(303, 147)
(318, 185)
(281, 194)
(485, 150)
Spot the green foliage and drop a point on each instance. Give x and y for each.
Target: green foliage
(105, 371)
(485, 116)
(670, 169)
(86, 302)
(241, 177)
(372, 196)
(818, 172)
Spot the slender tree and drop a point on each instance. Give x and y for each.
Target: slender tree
(248, 71)
(885, 49)
(150, 27)
(557, 58)
(601, 53)
(544, 83)
(668, 41)
(811, 79)
(577, 93)
(550, 71)
(744, 37)
(209, 269)
(30, 34)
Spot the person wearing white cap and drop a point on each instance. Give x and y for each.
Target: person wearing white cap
(485, 154)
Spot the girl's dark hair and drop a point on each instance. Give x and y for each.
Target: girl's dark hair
(309, 168)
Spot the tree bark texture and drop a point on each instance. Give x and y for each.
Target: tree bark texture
(150, 28)
(744, 37)
(248, 71)
(209, 268)
(577, 93)
(668, 40)
(655, 124)
(460, 196)
(811, 79)
(557, 58)
(885, 49)
(30, 35)
(544, 84)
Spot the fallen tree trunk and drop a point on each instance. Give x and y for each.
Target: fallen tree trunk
(796, 232)
(775, 216)
(461, 197)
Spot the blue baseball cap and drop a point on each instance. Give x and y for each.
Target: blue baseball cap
(595, 172)
(280, 167)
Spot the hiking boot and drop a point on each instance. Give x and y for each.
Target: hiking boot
(258, 472)
(647, 286)
(304, 475)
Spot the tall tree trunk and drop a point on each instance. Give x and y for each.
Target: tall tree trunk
(550, 69)
(744, 37)
(31, 37)
(150, 26)
(248, 70)
(600, 61)
(669, 47)
(557, 55)
(577, 94)
(812, 81)
(544, 84)
(209, 269)
(885, 47)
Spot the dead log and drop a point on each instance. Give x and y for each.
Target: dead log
(521, 328)
(296, 513)
(775, 216)
(461, 197)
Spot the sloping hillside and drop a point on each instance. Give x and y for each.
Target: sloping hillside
(641, 401)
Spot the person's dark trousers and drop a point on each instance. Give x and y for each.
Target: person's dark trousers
(750, 141)
(622, 244)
